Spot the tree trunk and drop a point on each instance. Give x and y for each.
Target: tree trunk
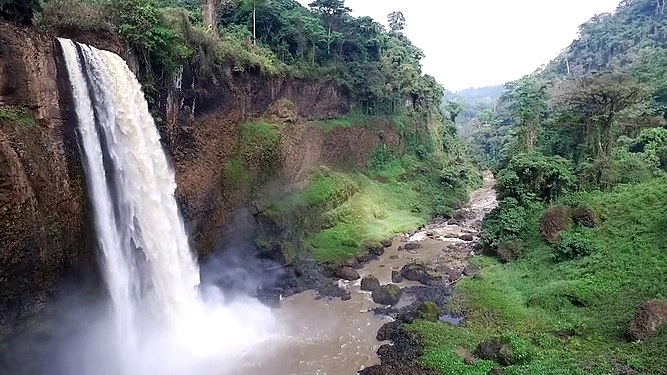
(209, 13)
(254, 23)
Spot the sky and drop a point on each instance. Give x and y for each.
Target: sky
(485, 42)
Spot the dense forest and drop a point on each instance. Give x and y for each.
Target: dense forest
(580, 154)
(380, 67)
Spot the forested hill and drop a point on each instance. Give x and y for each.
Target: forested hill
(380, 67)
(636, 31)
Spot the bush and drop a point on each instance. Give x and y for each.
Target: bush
(504, 224)
(554, 221)
(584, 216)
(74, 16)
(510, 250)
(536, 175)
(19, 11)
(574, 244)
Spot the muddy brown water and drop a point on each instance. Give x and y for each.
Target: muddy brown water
(334, 337)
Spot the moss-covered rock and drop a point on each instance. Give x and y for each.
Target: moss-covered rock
(387, 295)
(429, 311)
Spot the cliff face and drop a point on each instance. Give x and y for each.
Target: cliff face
(45, 231)
(43, 221)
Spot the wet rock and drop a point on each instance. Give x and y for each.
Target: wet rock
(396, 277)
(352, 263)
(363, 258)
(453, 222)
(466, 237)
(387, 243)
(414, 271)
(370, 283)
(347, 273)
(387, 295)
(376, 250)
(472, 270)
(430, 234)
(465, 355)
(346, 297)
(394, 257)
(451, 235)
(412, 246)
(390, 331)
(417, 271)
(429, 311)
(400, 248)
(497, 350)
(648, 318)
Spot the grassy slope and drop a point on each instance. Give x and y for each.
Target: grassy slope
(530, 299)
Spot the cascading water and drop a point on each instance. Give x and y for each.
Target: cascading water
(149, 268)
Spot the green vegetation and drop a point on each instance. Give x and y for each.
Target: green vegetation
(380, 68)
(572, 313)
(16, 115)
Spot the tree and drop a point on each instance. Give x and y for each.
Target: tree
(331, 11)
(19, 11)
(396, 21)
(528, 107)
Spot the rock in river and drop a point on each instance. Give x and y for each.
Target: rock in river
(396, 277)
(347, 273)
(370, 283)
(387, 295)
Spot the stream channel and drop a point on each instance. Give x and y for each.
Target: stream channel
(336, 337)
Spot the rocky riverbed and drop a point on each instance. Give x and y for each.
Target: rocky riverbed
(410, 277)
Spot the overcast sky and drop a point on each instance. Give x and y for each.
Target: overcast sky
(485, 42)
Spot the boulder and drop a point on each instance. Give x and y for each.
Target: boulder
(370, 283)
(648, 318)
(396, 277)
(347, 273)
(389, 331)
(412, 246)
(429, 311)
(387, 295)
(352, 263)
(418, 272)
(363, 257)
(376, 249)
(466, 237)
(495, 349)
(472, 270)
(387, 243)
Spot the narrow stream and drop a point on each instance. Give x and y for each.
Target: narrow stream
(337, 337)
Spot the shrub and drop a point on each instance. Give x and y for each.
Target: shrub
(510, 250)
(19, 11)
(258, 147)
(74, 15)
(574, 244)
(584, 216)
(536, 175)
(17, 115)
(554, 221)
(504, 224)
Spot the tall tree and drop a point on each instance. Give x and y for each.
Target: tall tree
(332, 11)
(528, 98)
(396, 21)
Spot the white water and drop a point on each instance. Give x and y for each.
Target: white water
(161, 323)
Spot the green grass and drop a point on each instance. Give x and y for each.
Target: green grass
(17, 115)
(235, 174)
(532, 298)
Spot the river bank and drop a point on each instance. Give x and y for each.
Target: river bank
(341, 336)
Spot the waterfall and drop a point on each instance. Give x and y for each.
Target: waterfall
(149, 269)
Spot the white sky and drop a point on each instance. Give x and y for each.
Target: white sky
(474, 43)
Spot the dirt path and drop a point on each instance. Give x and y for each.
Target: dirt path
(336, 337)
